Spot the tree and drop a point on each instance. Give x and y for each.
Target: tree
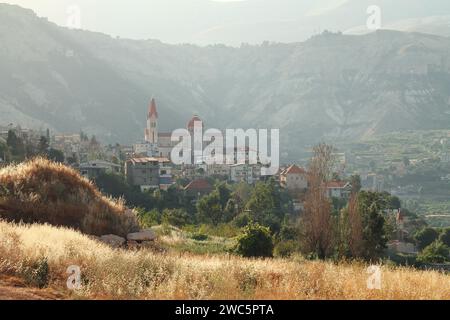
(43, 146)
(317, 223)
(406, 161)
(370, 206)
(55, 155)
(16, 145)
(355, 232)
(355, 181)
(437, 252)
(425, 237)
(255, 241)
(209, 209)
(175, 217)
(444, 237)
(264, 205)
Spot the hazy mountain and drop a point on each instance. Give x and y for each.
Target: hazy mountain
(330, 87)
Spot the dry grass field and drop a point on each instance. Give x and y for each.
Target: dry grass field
(118, 274)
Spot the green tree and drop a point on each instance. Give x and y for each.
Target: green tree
(215, 207)
(175, 217)
(370, 206)
(425, 237)
(148, 219)
(209, 209)
(264, 205)
(55, 155)
(437, 252)
(444, 237)
(255, 241)
(355, 181)
(16, 145)
(43, 146)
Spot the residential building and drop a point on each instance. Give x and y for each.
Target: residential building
(294, 178)
(143, 172)
(165, 174)
(198, 188)
(218, 170)
(338, 189)
(92, 169)
(245, 173)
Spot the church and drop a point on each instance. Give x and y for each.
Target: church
(157, 144)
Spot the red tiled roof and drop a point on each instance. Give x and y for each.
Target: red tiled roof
(149, 159)
(199, 184)
(294, 170)
(337, 184)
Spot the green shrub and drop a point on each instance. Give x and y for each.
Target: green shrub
(242, 220)
(289, 233)
(425, 237)
(285, 249)
(148, 219)
(445, 237)
(199, 237)
(37, 274)
(175, 217)
(255, 241)
(437, 252)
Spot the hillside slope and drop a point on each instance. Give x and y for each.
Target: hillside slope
(329, 87)
(39, 191)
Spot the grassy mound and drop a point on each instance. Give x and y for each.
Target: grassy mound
(46, 192)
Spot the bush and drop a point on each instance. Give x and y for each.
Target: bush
(445, 237)
(148, 219)
(37, 274)
(289, 233)
(199, 237)
(437, 252)
(285, 249)
(256, 241)
(241, 220)
(425, 237)
(175, 217)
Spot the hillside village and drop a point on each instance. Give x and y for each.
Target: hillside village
(145, 167)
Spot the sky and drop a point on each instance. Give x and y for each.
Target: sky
(230, 22)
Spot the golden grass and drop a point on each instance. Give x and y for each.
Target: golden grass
(117, 274)
(43, 191)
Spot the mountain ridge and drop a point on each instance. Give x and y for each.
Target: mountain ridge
(330, 87)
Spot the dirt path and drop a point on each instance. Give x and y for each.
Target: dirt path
(12, 288)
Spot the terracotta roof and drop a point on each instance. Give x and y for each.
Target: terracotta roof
(337, 184)
(199, 184)
(294, 170)
(191, 122)
(149, 159)
(152, 109)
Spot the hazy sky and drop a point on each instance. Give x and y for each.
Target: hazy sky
(227, 21)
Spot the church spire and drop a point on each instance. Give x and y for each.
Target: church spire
(152, 109)
(151, 131)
